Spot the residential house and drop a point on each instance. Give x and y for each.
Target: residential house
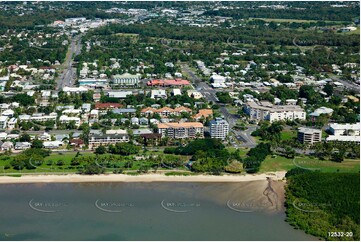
(77, 143)
(203, 113)
(22, 145)
(3, 122)
(52, 144)
(7, 146)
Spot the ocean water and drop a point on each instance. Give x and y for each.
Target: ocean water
(141, 211)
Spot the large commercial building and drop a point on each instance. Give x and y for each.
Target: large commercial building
(344, 132)
(308, 135)
(94, 83)
(344, 129)
(126, 79)
(265, 110)
(167, 83)
(181, 130)
(219, 128)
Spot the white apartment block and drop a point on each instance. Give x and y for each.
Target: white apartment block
(219, 128)
(126, 79)
(107, 139)
(265, 110)
(308, 135)
(65, 120)
(181, 130)
(40, 117)
(69, 90)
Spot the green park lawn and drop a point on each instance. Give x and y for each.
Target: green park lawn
(50, 163)
(288, 135)
(279, 163)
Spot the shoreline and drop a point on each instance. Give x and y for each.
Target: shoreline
(76, 178)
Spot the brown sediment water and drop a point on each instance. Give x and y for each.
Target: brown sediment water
(250, 210)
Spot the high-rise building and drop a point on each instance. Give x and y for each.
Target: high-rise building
(219, 128)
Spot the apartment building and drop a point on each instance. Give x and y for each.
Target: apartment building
(181, 130)
(219, 128)
(66, 119)
(265, 110)
(308, 135)
(165, 111)
(40, 117)
(106, 139)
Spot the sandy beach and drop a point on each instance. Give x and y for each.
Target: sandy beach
(138, 178)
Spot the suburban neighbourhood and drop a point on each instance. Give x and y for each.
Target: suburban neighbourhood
(188, 89)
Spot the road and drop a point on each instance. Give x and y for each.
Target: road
(348, 84)
(68, 76)
(210, 95)
(245, 136)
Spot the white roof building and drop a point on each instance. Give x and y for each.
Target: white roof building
(52, 144)
(343, 138)
(3, 121)
(344, 129)
(176, 92)
(69, 90)
(218, 78)
(119, 94)
(158, 94)
(66, 119)
(322, 110)
(265, 110)
(8, 113)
